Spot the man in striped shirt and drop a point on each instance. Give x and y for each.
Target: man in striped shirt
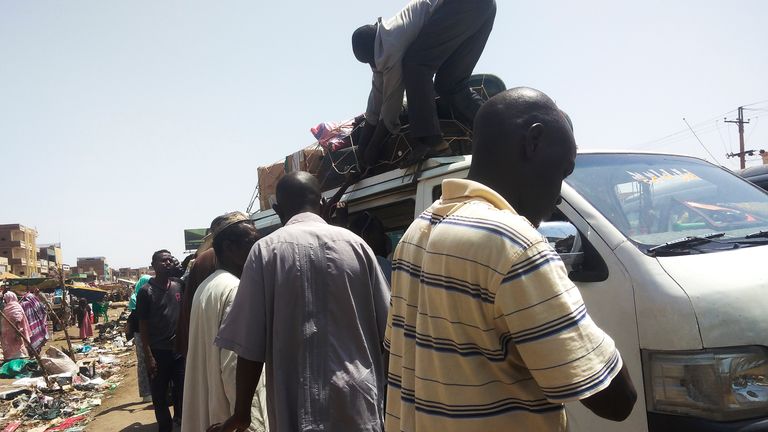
(486, 332)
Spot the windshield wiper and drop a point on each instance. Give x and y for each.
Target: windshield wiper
(685, 243)
(759, 234)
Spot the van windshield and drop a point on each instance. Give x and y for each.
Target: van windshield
(656, 199)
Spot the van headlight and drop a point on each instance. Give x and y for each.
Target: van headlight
(718, 384)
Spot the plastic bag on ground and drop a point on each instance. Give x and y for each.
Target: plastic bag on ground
(56, 362)
(106, 359)
(29, 382)
(18, 368)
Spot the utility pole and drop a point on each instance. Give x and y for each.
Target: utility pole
(741, 154)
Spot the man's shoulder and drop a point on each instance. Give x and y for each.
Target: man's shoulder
(204, 261)
(220, 279)
(307, 232)
(145, 289)
(476, 228)
(176, 284)
(498, 220)
(218, 283)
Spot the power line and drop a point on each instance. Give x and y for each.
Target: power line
(755, 103)
(683, 131)
(727, 150)
(681, 137)
(754, 127)
(702, 144)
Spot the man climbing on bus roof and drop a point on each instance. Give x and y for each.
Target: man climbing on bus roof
(427, 38)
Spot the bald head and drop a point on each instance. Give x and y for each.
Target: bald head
(509, 115)
(297, 192)
(523, 148)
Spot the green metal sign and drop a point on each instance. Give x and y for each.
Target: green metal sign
(193, 238)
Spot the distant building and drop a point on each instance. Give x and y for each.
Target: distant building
(134, 273)
(4, 267)
(42, 267)
(50, 258)
(18, 244)
(51, 252)
(95, 265)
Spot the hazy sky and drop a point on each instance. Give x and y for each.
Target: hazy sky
(124, 122)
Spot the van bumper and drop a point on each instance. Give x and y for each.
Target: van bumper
(673, 423)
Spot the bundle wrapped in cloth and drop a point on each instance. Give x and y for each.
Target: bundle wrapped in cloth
(333, 159)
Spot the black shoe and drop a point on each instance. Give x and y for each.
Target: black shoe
(464, 106)
(417, 154)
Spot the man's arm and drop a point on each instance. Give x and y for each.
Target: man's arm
(372, 113)
(248, 374)
(150, 360)
(227, 358)
(574, 360)
(372, 150)
(616, 401)
(142, 314)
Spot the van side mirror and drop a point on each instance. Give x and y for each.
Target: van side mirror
(566, 241)
(581, 260)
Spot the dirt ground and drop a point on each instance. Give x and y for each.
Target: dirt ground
(122, 409)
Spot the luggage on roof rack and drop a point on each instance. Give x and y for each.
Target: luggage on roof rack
(332, 167)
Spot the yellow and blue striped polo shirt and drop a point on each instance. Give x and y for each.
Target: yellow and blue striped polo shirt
(486, 332)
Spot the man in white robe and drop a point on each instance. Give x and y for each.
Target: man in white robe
(209, 385)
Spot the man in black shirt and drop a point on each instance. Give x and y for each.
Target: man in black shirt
(157, 306)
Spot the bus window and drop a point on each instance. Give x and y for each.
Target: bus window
(437, 192)
(396, 217)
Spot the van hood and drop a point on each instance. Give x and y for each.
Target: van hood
(729, 294)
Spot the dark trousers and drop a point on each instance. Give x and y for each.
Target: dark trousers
(448, 48)
(170, 369)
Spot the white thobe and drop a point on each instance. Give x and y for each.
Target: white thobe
(209, 382)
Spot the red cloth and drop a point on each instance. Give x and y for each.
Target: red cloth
(86, 327)
(12, 426)
(68, 423)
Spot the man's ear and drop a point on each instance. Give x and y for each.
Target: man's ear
(533, 139)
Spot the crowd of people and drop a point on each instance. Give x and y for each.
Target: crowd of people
(469, 323)
(24, 326)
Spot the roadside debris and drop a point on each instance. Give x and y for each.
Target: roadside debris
(72, 390)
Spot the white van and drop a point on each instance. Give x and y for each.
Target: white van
(668, 252)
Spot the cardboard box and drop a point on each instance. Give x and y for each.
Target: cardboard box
(268, 177)
(308, 159)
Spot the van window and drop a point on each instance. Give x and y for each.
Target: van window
(437, 192)
(592, 267)
(396, 217)
(654, 199)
